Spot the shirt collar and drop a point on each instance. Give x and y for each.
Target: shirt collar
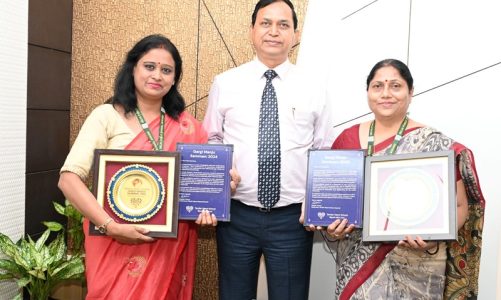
(281, 69)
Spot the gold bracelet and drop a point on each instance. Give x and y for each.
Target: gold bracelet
(434, 252)
(104, 228)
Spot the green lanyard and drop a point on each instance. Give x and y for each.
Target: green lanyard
(158, 146)
(400, 133)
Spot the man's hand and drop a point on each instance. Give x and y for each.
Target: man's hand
(235, 180)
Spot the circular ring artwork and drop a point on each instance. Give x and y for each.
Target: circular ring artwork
(409, 197)
(136, 193)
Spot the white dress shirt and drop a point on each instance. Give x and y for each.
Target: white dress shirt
(232, 117)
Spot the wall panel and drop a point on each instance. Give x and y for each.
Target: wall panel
(47, 143)
(48, 79)
(50, 24)
(39, 198)
(13, 64)
(48, 103)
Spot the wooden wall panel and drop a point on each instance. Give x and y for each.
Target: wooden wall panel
(48, 104)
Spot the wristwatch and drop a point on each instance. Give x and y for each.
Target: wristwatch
(103, 228)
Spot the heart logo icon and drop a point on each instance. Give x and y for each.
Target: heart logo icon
(189, 208)
(321, 215)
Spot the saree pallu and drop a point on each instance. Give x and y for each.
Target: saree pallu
(164, 269)
(383, 271)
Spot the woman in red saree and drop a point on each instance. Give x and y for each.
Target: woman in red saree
(126, 263)
(413, 268)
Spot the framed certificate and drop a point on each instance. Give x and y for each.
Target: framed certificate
(334, 187)
(410, 194)
(138, 187)
(205, 180)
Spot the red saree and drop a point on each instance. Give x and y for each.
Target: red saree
(164, 269)
(359, 261)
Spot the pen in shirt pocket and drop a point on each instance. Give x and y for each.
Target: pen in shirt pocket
(293, 113)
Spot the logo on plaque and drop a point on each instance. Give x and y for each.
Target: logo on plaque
(136, 193)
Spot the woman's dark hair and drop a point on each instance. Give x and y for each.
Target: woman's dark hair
(402, 69)
(125, 90)
(264, 3)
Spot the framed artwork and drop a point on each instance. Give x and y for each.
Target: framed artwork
(410, 194)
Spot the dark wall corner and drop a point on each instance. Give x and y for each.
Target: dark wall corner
(48, 108)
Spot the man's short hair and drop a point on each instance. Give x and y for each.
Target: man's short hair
(264, 3)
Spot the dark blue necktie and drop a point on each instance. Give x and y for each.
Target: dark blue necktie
(269, 146)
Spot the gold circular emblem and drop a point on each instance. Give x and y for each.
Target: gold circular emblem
(136, 193)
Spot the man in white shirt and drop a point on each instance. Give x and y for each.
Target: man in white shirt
(233, 117)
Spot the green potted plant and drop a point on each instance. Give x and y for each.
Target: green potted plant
(38, 266)
(74, 230)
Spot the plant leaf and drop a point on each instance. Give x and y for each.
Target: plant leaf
(53, 226)
(24, 250)
(54, 245)
(22, 261)
(41, 240)
(6, 276)
(18, 297)
(10, 267)
(49, 261)
(7, 246)
(59, 208)
(73, 268)
(72, 213)
(31, 241)
(46, 257)
(36, 256)
(57, 248)
(22, 282)
(77, 237)
(38, 274)
(53, 272)
(76, 217)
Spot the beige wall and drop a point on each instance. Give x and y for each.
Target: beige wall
(212, 36)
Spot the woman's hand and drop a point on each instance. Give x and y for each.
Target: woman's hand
(128, 234)
(205, 218)
(339, 229)
(235, 180)
(417, 244)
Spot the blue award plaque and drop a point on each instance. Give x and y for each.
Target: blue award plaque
(205, 180)
(334, 189)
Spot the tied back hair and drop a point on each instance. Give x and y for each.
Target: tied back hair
(124, 92)
(402, 69)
